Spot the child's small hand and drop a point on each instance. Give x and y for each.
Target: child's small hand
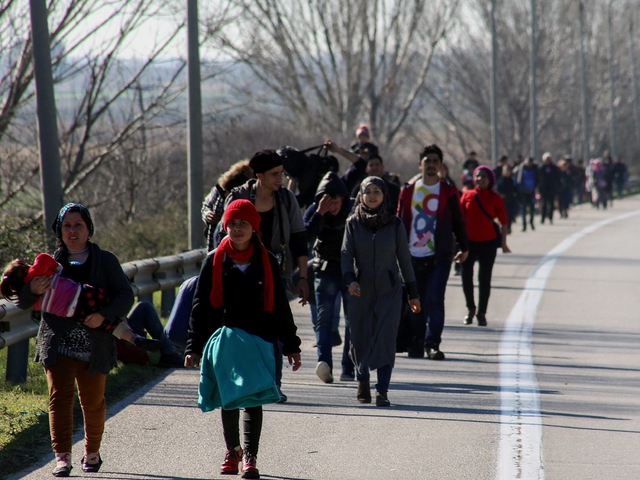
(39, 285)
(94, 320)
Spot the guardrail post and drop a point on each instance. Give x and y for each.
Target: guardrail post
(17, 361)
(168, 299)
(147, 297)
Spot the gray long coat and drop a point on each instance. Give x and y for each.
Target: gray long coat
(372, 260)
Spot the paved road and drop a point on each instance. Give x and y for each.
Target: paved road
(485, 412)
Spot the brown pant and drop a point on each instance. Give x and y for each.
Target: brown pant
(61, 379)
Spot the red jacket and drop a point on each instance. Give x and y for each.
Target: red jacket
(479, 227)
(449, 220)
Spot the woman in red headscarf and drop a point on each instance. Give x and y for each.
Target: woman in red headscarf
(239, 288)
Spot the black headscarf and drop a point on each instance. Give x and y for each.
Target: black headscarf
(376, 218)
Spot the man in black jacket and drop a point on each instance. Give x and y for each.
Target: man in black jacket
(548, 187)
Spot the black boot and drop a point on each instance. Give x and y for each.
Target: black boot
(364, 392)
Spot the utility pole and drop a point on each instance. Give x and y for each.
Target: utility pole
(194, 128)
(532, 81)
(494, 87)
(585, 96)
(634, 76)
(612, 90)
(48, 143)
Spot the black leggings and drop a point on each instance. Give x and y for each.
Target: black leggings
(485, 254)
(251, 426)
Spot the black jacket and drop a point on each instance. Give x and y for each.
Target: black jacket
(325, 232)
(243, 306)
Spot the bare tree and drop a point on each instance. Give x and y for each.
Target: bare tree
(330, 64)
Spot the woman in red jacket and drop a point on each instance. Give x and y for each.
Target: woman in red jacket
(480, 207)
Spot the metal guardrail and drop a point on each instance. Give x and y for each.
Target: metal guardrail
(146, 276)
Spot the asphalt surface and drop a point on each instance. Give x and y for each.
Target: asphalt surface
(446, 421)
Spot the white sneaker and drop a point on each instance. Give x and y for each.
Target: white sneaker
(323, 370)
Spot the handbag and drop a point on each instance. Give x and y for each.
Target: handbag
(497, 242)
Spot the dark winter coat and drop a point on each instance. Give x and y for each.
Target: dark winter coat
(372, 259)
(243, 306)
(106, 273)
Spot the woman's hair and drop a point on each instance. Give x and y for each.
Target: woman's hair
(13, 279)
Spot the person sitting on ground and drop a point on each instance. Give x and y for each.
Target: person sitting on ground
(178, 322)
(213, 205)
(144, 317)
(240, 295)
(66, 298)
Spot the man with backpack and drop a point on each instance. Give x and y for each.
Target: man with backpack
(281, 226)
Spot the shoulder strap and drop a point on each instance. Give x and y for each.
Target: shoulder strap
(482, 208)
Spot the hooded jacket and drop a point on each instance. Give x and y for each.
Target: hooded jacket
(325, 232)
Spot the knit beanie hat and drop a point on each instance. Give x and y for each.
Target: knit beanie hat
(241, 209)
(490, 174)
(362, 130)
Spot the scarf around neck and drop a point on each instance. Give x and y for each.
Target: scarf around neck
(374, 219)
(216, 297)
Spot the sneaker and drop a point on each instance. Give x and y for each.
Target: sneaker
(173, 360)
(382, 400)
(283, 397)
(482, 320)
(323, 370)
(434, 354)
(232, 459)
(249, 469)
(347, 377)
(336, 339)
(63, 465)
(148, 344)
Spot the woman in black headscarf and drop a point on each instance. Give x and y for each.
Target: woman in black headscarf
(375, 243)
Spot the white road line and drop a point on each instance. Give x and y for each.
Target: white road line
(520, 454)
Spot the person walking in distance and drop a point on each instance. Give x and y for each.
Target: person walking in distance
(430, 211)
(480, 206)
(240, 311)
(527, 182)
(375, 244)
(548, 186)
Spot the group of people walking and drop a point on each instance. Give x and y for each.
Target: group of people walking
(363, 245)
(527, 187)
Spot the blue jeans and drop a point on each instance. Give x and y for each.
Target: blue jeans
(328, 289)
(143, 316)
(313, 309)
(384, 377)
(431, 279)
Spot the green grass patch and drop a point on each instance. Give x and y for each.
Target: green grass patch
(24, 421)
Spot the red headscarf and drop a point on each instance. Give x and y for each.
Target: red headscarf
(240, 210)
